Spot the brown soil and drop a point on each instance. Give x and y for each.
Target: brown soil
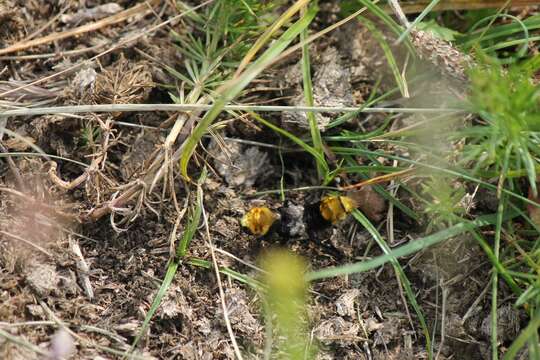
(103, 294)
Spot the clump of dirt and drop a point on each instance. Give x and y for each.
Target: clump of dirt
(240, 166)
(12, 20)
(135, 159)
(331, 87)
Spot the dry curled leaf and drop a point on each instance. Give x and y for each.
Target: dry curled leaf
(370, 202)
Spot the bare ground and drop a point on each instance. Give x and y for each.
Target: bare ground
(103, 294)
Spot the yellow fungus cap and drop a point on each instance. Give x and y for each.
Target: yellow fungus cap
(258, 220)
(336, 208)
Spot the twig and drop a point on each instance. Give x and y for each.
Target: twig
(174, 231)
(390, 213)
(60, 54)
(118, 202)
(377, 179)
(474, 306)
(119, 44)
(77, 109)
(26, 323)
(404, 301)
(398, 11)
(82, 268)
(226, 253)
(443, 319)
(110, 334)
(22, 342)
(14, 169)
(141, 8)
(220, 287)
(69, 185)
(79, 338)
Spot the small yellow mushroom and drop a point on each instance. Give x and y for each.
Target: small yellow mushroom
(335, 208)
(259, 220)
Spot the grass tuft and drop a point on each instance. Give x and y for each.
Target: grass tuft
(507, 102)
(233, 87)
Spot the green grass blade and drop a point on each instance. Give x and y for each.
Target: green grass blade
(481, 36)
(496, 263)
(318, 157)
(398, 204)
(169, 276)
(362, 219)
(495, 280)
(308, 97)
(280, 22)
(496, 251)
(416, 245)
(511, 43)
(246, 279)
(233, 87)
(531, 293)
(392, 63)
(405, 250)
(454, 172)
(385, 18)
(356, 136)
(505, 30)
(367, 169)
(530, 166)
(191, 227)
(173, 264)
